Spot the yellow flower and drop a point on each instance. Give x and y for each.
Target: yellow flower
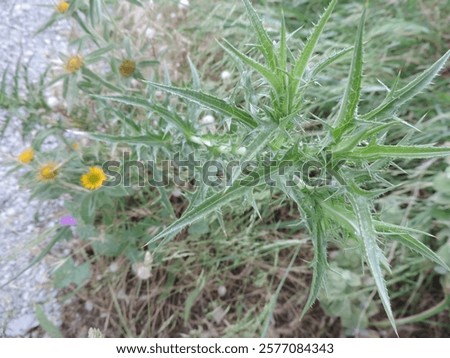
(93, 179)
(74, 63)
(127, 68)
(62, 7)
(26, 156)
(76, 146)
(48, 172)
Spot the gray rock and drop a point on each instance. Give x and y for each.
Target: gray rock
(18, 228)
(21, 325)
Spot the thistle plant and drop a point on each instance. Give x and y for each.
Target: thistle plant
(347, 145)
(330, 164)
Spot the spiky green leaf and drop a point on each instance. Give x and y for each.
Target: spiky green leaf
(148, 139)
(267, 74)
(167, 115)
(366, 231)
(267, 47)
(211, 102)
(375, 151)
(398, 97)
(346, 115)
(210, 205)
(299, 66)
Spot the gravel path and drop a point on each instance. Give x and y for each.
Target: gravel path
(22, 220)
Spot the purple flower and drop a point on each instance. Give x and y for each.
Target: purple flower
(68, 220)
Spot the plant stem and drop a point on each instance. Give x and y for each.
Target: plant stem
(441, 306)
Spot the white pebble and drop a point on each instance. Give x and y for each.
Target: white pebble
(225, 75)
(222, 291)
(88, 306)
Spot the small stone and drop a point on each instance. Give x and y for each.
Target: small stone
(88, 306)
(222, 291)
(218, 314)
(21, 325)
(11, 212)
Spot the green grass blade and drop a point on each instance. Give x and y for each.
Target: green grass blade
(85, 28)
(375, 151)
(346, 116)
(274, 298)
(59, 236)
(267, 47)
(48, 326)
(195, 76)
(192, 297)
(97, 54)
(366, 232)
(267, 74)
(211, 102)
(48, 24)
(300, 65)
(399, 97)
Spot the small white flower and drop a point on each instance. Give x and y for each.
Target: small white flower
(148, 258)
(199, 140)
(208, 119)
(196, 139)
(88, 306)
(94, 333)
(150, 33)
(183, 4)
(241, 150)
(142, 271)
(52, 102)
(225, 75)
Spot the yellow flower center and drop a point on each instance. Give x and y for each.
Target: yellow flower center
(74, 63)
(26, 156)
(62, 7)
(94, 179)
(127, 68)
(47, 172)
